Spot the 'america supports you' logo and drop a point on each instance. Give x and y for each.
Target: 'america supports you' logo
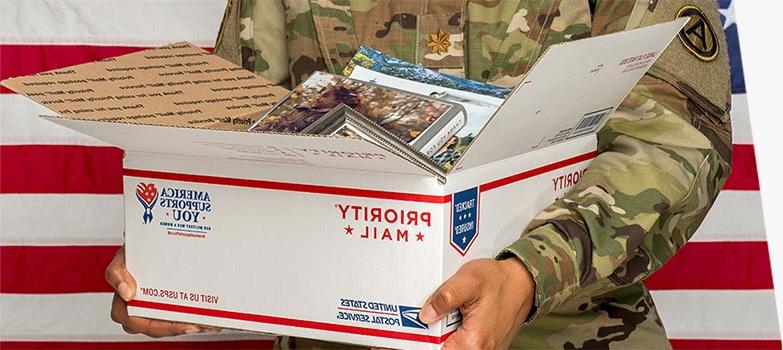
(147, 194)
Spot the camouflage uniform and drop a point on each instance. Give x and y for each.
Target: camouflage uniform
(664, 155)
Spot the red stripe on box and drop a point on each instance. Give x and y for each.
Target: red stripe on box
(54, 269)
(19, 60)
(96, 169)
(60, 169)
(284, 186)
(241, 316)
(343, 191)
(725, 344)
(537, 171)
(203, 344)
(716, 265)
(744, 174)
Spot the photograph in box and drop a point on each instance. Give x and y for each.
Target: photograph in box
(478, 108)
(343, 121)
(423, 123)
(376, 61)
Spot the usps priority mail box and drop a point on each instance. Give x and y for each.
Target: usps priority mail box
(321, 237)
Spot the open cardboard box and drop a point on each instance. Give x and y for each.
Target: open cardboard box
(320, 237)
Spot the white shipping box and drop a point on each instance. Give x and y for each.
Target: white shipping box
(331, 238)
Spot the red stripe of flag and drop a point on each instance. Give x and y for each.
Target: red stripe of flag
(744, 174)
(19, 60)
(79, 269)
(95, 169)
(716, 265)
(677, 344)
(54, 269)
(60, 169)
(725, 344)
(151, 345)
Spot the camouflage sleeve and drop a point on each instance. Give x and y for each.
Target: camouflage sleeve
(663, 158)
(253, 34)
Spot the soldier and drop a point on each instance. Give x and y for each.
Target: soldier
(574, 277)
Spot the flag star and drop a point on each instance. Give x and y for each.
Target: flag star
(468, 214)
(464, 239)
(728, 15)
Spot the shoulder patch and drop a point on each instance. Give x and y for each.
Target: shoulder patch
(697, 63)
(697, 35)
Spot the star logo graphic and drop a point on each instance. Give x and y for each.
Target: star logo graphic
(348, 230)
(420, 237)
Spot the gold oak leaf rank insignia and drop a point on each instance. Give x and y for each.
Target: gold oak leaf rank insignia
(439, 42)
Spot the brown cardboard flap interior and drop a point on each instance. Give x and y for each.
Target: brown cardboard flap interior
(177, 85)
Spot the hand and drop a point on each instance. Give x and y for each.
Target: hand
(494, 297)
(125, 289)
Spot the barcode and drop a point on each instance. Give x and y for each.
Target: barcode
(590, 122)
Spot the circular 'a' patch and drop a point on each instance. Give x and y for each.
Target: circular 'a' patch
(697, 35)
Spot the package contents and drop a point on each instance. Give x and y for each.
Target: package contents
(422, 122)
(377, 61)
(478, 109)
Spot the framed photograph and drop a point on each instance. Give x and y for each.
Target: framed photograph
(418, 120)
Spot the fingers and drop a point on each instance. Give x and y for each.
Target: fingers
(150, 327)
(119, 278)
(476, 332)
(210, 329)
(125, 285)
(492, 308)
(459, 339)
(457, 291)
(462, 339)
(158, 328)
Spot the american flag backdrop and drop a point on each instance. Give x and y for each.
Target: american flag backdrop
(61, 198)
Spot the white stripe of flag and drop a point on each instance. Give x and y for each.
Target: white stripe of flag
(110, 22)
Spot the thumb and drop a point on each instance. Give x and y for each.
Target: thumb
(119, 278)
(452, 294)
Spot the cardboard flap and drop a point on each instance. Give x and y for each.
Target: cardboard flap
(175, 85)
(181, 100)
(259, 147)
(570, 92)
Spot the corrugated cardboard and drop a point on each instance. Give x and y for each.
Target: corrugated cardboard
(176, 85)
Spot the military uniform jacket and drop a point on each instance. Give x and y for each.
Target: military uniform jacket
(663, 156)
